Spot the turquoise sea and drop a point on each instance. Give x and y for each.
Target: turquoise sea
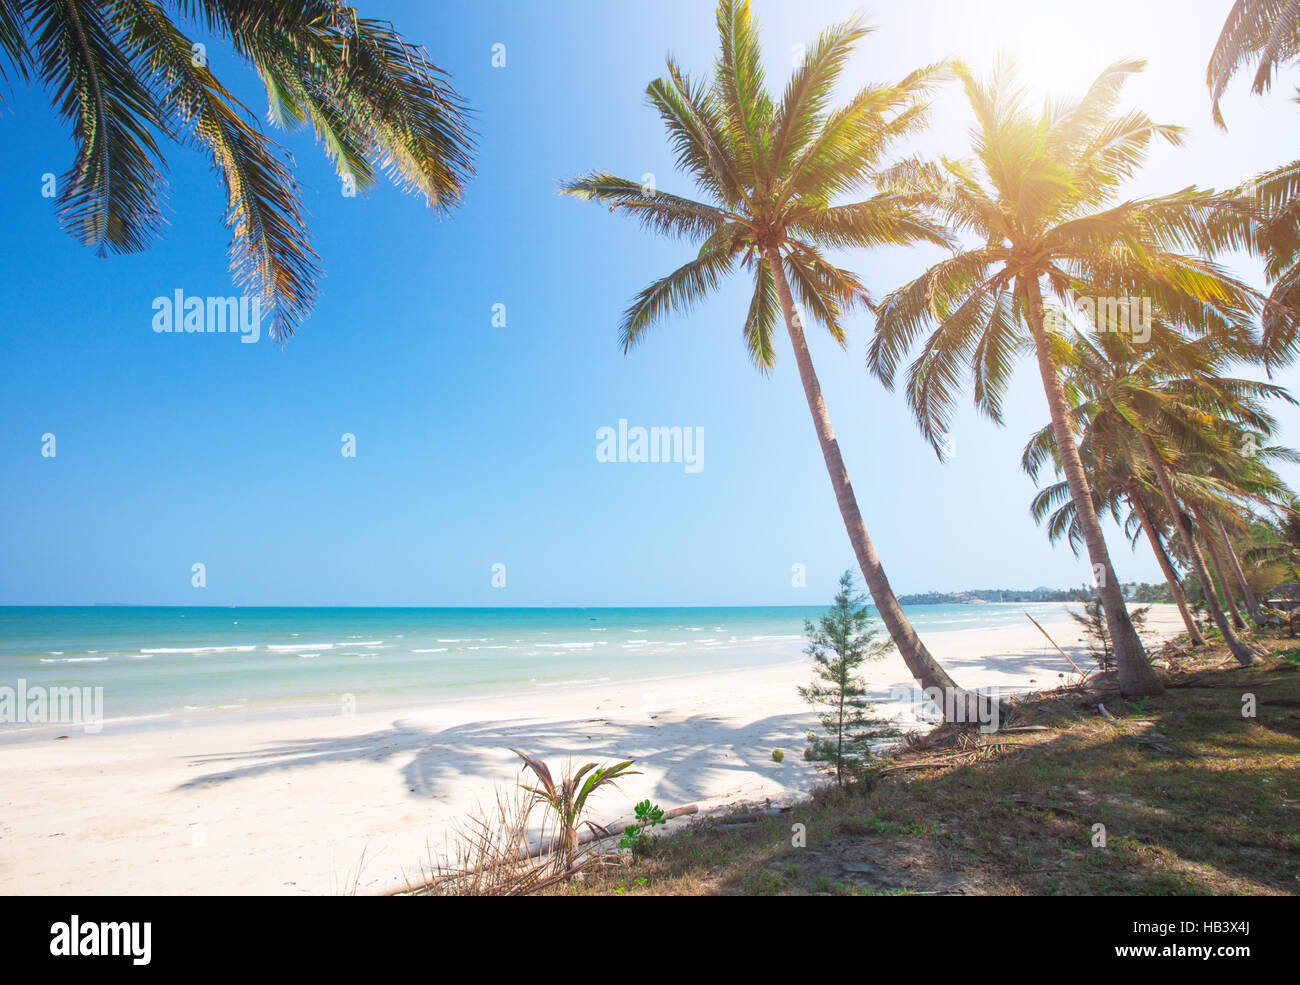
(173, 663)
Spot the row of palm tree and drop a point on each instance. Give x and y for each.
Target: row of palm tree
(1032, 220)
(1167, 432)
(1171, 442)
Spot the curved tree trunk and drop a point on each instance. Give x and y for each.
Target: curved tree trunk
(1220, 571)
(1252, 603)
(922, 665)
(1167, 567)
(1194, 556)
(1136, 677)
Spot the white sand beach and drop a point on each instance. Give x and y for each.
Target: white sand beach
(329, 805)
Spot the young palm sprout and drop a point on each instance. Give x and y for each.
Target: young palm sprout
(567, 799)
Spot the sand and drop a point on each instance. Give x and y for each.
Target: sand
(343, 804)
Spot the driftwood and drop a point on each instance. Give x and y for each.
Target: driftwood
(600, 832)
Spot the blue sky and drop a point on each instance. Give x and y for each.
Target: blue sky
(476, 443)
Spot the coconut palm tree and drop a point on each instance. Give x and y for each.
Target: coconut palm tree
(767, 171)
(1166, 411)
(1262, 31)
(1113, 487)
(1099, 371)
(1226, 481)
(1238, 572)
(125, 79)
(1276, 540)
(1040, 199)
(1267, 32)
(1275, 239)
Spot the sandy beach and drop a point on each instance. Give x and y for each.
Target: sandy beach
(329, 805)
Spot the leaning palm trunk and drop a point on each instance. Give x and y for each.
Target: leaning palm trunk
(1167, 567)
(1194, 556)
(1220, 571)
(1252, 603)
(922, 665)
(1136, 678)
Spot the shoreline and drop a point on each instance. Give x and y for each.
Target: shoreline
(293, 805)
(245, 660)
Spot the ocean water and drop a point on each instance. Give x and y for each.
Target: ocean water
(172, 663)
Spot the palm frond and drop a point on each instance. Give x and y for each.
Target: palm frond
(109, 198)
(678, 291)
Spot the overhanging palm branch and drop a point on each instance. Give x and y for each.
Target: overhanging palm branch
(1262, 31)
(125, 77)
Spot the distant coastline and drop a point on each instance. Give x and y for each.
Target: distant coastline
(1133, 591)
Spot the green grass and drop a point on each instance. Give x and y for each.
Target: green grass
(1194, 799)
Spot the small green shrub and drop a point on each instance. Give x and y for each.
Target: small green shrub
(634, 835)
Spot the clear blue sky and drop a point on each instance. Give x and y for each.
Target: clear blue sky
(476, 444)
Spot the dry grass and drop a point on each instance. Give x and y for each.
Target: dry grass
(515, 847)
(1194, 797)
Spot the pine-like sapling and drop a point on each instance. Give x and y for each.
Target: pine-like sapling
(840, 642)
(1093, 622)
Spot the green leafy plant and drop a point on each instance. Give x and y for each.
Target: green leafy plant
(568, 798)
(647, 816)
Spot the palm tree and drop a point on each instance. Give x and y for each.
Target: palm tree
(1113, 485)
(1226, 476)
(1099, 371)
(125, 78)
(1276, 540)
(1238, 572)
(1040, 199)
(767, 172)
(1167, 409)
(1263, 30)
(1267, 31)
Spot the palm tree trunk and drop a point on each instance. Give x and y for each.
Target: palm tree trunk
(1167, 567)
(1220, 571)
(924, 668)
(1136, 677)
(1194, 556)
(1252, 603)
